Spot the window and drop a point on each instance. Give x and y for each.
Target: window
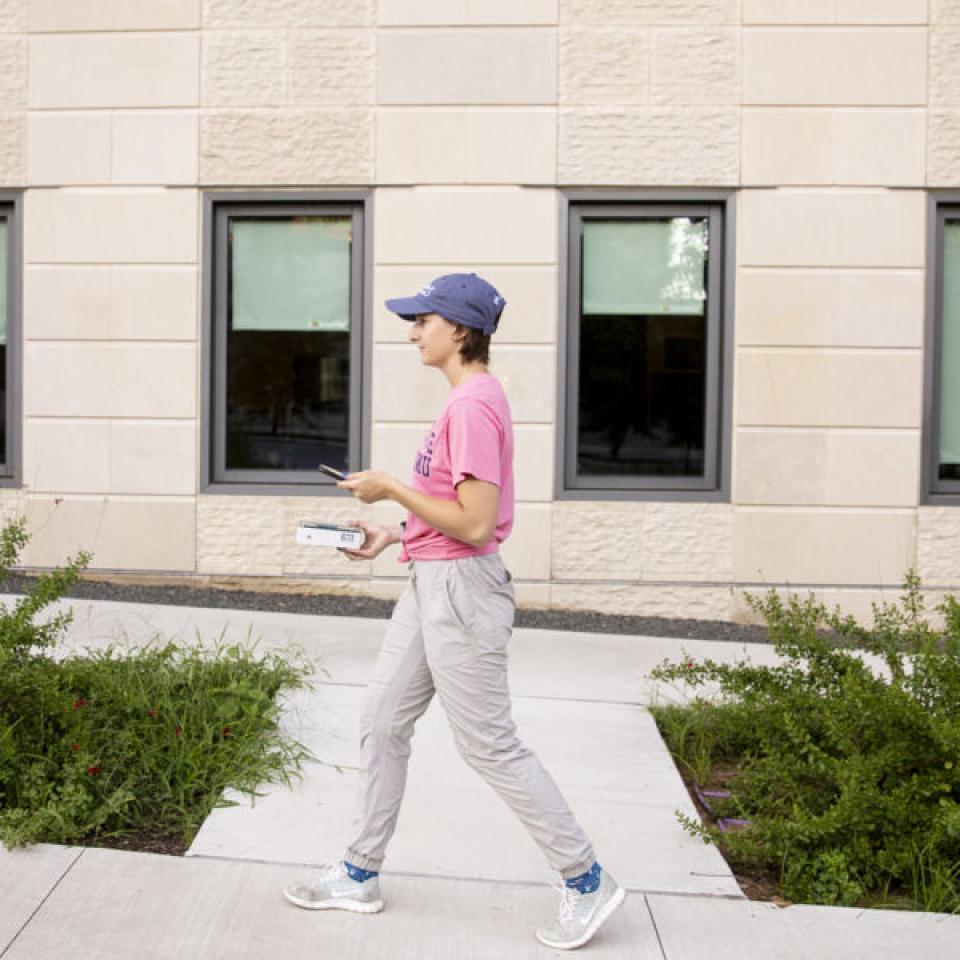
(10, 339)
(942, 390)
(285, 333)
(646, 354)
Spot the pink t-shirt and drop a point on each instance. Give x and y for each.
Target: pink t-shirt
(472, 437)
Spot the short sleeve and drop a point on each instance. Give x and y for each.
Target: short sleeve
(475, 438)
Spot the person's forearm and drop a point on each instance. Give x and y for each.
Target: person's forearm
(447, 516)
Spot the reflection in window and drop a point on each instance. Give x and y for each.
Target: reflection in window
(288, 342)
(642, 378)
(949, 456)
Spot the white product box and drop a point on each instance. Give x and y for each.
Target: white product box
(329, 535)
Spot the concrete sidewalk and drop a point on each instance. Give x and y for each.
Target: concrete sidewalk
(463, 879)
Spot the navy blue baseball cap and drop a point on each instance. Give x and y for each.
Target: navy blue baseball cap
(461, 298)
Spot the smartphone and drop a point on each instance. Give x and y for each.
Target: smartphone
(331, 472)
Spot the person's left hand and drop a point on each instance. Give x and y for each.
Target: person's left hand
(369, 485)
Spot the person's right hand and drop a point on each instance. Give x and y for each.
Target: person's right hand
(377, 540)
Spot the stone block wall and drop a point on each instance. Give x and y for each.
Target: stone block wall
(828, 118)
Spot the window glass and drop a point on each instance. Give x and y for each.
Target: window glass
(288, 342)
(950, 355)
(4, 254)
(642, 348)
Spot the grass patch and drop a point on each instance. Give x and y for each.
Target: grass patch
(848, 776)
(133, 742)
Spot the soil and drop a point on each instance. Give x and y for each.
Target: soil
(142, 841)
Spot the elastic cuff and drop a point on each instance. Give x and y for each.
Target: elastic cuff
(364, 863)
(576, 871)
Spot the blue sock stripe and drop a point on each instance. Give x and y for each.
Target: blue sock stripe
(587, 882)
(358, 873)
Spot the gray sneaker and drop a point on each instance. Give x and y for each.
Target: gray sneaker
(332, 888)
(581, 914)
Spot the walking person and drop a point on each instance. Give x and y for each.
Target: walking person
(449, 631)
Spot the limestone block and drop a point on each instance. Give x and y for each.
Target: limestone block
(394, 447)
(62, 16)
(87, 161)
(111, 380)
(514, 226)
(13, 72)
(156, 533)
(830, 308)
(13, 149)
(526, 552)
(332, 66)
(835, 67)
(13, 16)
(240, 14)
(636, 540)
(151, 457)
(440, 145)
(891, 12)
(114, 70)
(844, 146)
(830, 388)
(944, 11)
(244, 69)
(827, 468)
(835, 228)
(696, 602)
(696, 66)
(533, 465)
(943, 147)
(240, 534)
(938, 546)
(516, 146)
(111, 226)
(160, 147)
(532, 596)
(289, 147)
(660, 145)
(477, 66)
(528, 375)
(66, 456)
(823, 546)
(410, 13)
(604, 66)
(944, 66)
(642, 13)
(110, 303)
(300, 560)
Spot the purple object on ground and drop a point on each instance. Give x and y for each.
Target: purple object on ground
(703, 794)
(728, 824)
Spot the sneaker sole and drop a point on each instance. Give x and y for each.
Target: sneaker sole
(354, 906)
(602, 916)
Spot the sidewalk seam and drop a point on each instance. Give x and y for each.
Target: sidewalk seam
(656, 930)
(39, 906)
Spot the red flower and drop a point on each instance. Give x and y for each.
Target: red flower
(152, 714)
(74, 747)
(93, 771)
(178, 730)
(79, 703)
(226, 731)
(689, 664)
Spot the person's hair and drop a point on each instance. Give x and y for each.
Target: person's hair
(474, 345)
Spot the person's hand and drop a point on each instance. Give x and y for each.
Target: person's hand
(369, 485)
(377, 539)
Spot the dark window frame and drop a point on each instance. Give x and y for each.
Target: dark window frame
(941, 205)
(218, 207)
(11, 468)
(715, 483)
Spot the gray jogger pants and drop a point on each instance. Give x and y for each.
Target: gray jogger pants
(448, 635)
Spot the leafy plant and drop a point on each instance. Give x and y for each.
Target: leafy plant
(847, 751)
(113, 741)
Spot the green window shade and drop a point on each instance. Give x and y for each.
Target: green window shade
(3, 282)
(290, 274)
(644, 267)
(950, 347)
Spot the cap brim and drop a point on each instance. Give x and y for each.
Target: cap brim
(409, 307)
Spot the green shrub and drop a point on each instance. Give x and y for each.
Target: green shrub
(848, 771)
(141, 740)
